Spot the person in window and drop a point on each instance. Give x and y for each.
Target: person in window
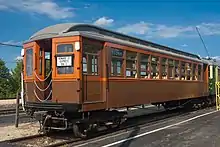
(164, 75)
(183, 74)
(157, 75)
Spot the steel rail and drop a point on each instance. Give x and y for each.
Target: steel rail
(132, 123)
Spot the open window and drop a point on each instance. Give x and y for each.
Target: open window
(188, 71)
(195, 72)
(183, 70)
(131, 64)
(144, 66)
(155, 67)
(177, 70)
(171, 70)
(164, 67)
(199, 72)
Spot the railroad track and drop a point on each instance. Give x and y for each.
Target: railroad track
(9, 111)
(39, 140)
(64, 138)
(130, 124)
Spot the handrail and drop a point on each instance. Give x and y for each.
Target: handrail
(42, 89)
(45, 99)
(43, 79)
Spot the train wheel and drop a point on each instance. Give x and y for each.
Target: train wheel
(82, 130)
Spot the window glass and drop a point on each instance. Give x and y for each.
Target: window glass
(164, 67)
(199, 72)
(183, 70)
(84, 64)
(131, 64)
(116, 67)
(47, 63)
(154, 67)
(47, 55)
(95, 65)
(29, 62)
(177, 71)
(117, 62)
(171, 70)
(194, 72)
(64, 48)
(188, 70)
(64, 70)
(90, 59)
(144, 66)
(65, 62)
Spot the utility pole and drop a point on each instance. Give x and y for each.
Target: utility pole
(203, 42)
(17, 94)
(17, 110)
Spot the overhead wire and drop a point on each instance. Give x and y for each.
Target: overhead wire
(11, 45)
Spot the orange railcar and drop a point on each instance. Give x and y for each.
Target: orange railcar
(78, 72)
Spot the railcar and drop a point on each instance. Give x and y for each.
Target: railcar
(76, 76)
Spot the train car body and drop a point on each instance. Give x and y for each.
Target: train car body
(78, 72)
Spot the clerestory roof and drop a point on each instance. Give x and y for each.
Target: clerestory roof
(92, 31)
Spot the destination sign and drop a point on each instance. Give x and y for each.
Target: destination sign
(64, 61)
(117, 52)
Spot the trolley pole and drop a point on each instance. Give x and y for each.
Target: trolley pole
(17, 110)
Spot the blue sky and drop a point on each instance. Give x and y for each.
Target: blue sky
(170, 23)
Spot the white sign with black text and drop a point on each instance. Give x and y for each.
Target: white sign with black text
(64, 61)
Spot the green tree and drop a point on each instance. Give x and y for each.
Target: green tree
(6, 88)
(16, 76)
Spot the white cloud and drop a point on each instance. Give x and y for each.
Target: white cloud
(165, 31)
(171, 31)
(43, 7)
(209, 28)
(137, 28)
(86, 6)
(216, 57)
(18, 58)
(103, 21)
(184, 45)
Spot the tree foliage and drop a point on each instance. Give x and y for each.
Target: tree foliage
(6, 87)
(16, 76)
(10, 81)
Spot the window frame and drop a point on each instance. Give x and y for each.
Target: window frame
(171, 74)
(32, 72)
(73, 54)
(134, 61)
(200, 74)
(158, 66)
(146, 64)
(164, 65)
(95, 64)
(121, 58)
(177, 61)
